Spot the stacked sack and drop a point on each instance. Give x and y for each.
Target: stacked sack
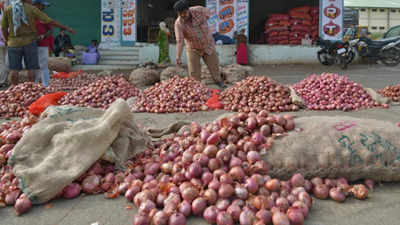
(277, 29)
(303, 21)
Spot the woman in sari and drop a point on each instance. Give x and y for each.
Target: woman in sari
(241, 48)
(163, 43)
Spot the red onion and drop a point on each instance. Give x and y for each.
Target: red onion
(241, 192)
(91, 184)
(177, 219)
(235, 162)
(251, 185)
(195, 169)
(210, 214)
(360, 191)
(337, 195)
(198, 206)
(308, 186)
(12, 197)
(273, 185)
(247, 217)
(72, 191)
(160, 218)
(234, 211)
(146, 207)
(321, 191)
(303, 207)
(214, 139)
(297, 180)
(317, 180)
(190, 193)
(392, 92)
(22, 205)
(211, 196)
(223, 218)
(206, 178)
(222, 204)
(278, 218)
(253, 156)
(185, 208)
(141, 220)
(237, 173)
(265, 216)
(295, 216)
(282, 203)
(214, 184)
(224, 155)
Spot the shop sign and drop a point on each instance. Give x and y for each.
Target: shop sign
(331, 19)
(118, 23)
(228, 16)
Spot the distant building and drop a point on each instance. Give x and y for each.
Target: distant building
(377, 15)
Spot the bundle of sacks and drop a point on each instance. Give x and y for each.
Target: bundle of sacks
(277, 29)
(303, 21)
(230, 74)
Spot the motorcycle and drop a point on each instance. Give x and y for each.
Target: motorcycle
(385, 50)
(332, 52)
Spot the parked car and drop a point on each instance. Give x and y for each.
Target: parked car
(392, 32)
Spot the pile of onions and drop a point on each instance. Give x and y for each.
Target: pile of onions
(74, 83)
(14, 102)
(257, 93)
(330, 91)
(102, 93)
(392, 92)
(174, 95)
(340, 189)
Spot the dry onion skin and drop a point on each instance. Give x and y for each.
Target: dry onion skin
(330, 91)
(101, 93)
(14, 102)
(257, 93)
(174, 95)
(392, 92)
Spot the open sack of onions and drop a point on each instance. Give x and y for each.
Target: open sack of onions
(257, 93)
(74, 83)
(14, 102)
(101, 93)
(392, 92)
(330, 91)
(174, 95)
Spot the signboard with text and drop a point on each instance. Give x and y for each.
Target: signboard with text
(331, 19)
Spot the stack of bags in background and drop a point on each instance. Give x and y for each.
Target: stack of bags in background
(292, 28)
(277, 29)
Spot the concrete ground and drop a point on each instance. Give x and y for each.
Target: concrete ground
(380, 209)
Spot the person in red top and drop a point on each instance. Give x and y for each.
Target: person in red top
(192, 29)
(45, 45)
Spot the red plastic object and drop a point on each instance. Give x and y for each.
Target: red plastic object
(37, 107)
(213, 102)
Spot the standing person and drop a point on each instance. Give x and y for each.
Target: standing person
(163, 43)
(18, 26)
(3, 66)
(191, 27)
(45, 43)
(241, 48)
(62, 42)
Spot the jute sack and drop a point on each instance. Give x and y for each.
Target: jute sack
(144, 76)
(295, 98)
(338, 146)
(235, 73)
(60, 64)
(67, 141)
(172, 71)
(377, 97)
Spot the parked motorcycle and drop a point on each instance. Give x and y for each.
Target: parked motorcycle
(332, 52)
(385, 50)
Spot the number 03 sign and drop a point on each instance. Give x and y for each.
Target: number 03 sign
(118, 23)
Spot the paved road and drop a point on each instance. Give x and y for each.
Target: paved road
(381, 209)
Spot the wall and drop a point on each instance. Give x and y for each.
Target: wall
(379, 20)
(82, 15)
(258, 54)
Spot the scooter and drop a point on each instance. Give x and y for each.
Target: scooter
(385, 50)
(332, 52)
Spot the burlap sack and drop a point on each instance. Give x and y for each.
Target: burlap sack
(235, 73)
(60, 64)
(172, 71)
(105, 73)
(377, 97)
(67, 141)
(143, 77)
(338, 146)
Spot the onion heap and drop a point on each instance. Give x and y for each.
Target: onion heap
(74, 83)
(392, 92)
(257, 93)
(330, 91)
(102, 93)
(14, 102)
(174, 95)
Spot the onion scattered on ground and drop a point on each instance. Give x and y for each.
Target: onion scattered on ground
(257, 93)
(174, 95)
(74, 83)
(14, 102)
(330, 91)
(392, 92)
(101, 93)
